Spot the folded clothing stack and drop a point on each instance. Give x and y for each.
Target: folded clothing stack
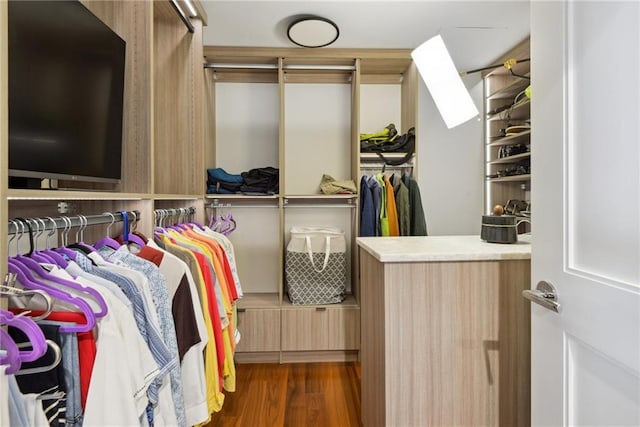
(255, 181)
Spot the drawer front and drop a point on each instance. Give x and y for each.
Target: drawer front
(343, 328)
(259, 330)
(304, 329)
(321, 328)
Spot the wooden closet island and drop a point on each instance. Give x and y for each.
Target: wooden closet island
(445, 331)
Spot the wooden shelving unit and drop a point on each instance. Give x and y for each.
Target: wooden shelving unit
(508, 176)
(261, 115)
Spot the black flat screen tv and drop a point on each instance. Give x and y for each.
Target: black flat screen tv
(66, 84)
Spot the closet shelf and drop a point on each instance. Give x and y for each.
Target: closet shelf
(512, 178)
(520, 110)
(259, 300)
(519, 138)
(373, 157)
(19, 194)
(510, 159)
(240, 196)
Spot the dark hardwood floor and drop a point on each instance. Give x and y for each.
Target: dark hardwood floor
(296, 394)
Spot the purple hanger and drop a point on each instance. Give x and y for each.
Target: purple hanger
(31, 330)
(25, 277)
(41, 257)
(196, 224)
(229, 225)
(40, 271)
(69, 253)
(56, 257)
(12, 356)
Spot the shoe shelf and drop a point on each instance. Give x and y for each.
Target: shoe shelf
(512, 178)
(510, 159)
(519, 138)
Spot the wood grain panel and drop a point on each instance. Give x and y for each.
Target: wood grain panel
(258, 357)
(4, 135)
(209, 119)
(319, 356)
(174, 114)
(410, 99)
(304, 329)
(195, 146)
(355, 177)
(294, 53)
(372, 347)
(317, 77)
(382, 79)
(514, 342)
(132, 20)
(259, 329)
(343, 328)
(254, 76)
(454, 346)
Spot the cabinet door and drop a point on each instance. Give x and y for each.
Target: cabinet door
(259, 329)
(343, 328)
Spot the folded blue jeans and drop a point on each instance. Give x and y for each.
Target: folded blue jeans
(220, 175)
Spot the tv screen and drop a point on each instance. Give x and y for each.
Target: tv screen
(66, 83)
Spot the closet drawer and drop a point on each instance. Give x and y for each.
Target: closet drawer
(259, 329)
(321, 328)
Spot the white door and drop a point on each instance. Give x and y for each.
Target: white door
(585, 205)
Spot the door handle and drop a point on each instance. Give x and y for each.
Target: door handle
(545, 295)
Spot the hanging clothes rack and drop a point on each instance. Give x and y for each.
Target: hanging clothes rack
(180, 214)
(75, 221)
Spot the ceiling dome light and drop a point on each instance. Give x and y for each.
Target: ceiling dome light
(313, 31)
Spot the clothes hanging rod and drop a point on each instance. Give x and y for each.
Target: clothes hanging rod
(176, 211)
(320, 67)
(384, 165)
(71, 222)
(320, 205)
(185, 19)
(284, 67)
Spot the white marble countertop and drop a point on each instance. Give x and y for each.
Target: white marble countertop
(443, 248)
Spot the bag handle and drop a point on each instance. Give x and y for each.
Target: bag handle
(327, 247)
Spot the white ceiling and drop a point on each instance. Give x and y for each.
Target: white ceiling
(475, 32)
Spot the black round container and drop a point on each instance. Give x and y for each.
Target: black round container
(499, 229)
